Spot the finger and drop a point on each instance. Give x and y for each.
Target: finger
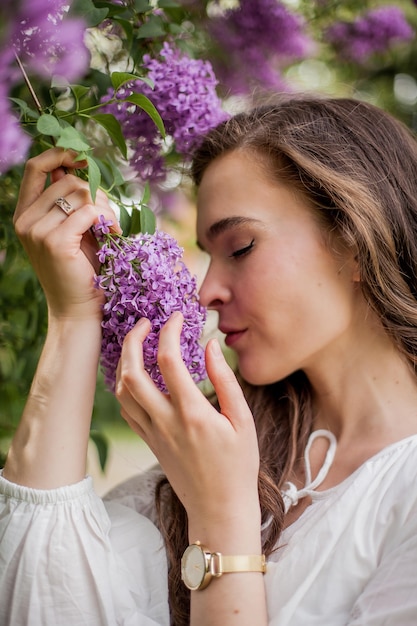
(59, 173)
(36, 173)
(182, 389)
(44, 216)
(229, 393)
(33, 229)
(134, 386)
(133, 425)
(74, 225)
(69, 185)
(72, 188)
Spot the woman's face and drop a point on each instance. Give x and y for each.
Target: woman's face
(284, 299)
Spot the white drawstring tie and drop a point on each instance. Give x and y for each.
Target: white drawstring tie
(290, 493)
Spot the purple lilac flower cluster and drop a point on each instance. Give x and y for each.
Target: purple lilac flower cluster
(257, 38)
(143, 276)
(184, 95)
(374, 31)
(48, 45)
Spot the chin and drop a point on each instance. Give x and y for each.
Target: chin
(256, 378)
(260, 376)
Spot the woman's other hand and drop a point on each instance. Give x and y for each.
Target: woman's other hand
(49, 448)
(61, 248)
(211, 458)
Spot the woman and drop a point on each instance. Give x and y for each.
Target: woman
(308, 211)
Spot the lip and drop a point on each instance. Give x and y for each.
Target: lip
(232, 336)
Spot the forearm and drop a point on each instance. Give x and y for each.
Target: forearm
(235, 599)
(50, 445)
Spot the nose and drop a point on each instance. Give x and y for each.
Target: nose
(214, 291)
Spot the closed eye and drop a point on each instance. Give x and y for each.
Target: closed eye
(242, 251)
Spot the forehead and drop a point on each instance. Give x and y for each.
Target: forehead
(227, 185)
(237, 188)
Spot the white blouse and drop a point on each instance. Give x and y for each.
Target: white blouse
(68, 558)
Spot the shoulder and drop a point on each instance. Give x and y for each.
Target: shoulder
(395, 469)
(396, 476)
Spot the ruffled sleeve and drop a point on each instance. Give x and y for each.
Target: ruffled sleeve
(68, 558)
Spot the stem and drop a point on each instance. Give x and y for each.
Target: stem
(29, 85)
(35, 100)
(31, 91)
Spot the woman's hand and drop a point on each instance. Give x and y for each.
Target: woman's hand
(60, 247)
(211, 458)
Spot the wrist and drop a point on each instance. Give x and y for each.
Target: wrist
(50, 444)
(238, 535)
(81, 314)
(199, 565)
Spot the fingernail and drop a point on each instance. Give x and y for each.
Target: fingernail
(177, 315)
(215, 348)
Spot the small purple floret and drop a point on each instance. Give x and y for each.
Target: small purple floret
(143, 276)
(374, 32)
(185, 97)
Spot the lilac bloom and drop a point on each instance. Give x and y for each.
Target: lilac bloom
(184, 95)
(256, 39)
(153, 284)
(48, 41)
(375, 31)
(14, 143)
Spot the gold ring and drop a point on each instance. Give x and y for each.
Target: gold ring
(64, 205)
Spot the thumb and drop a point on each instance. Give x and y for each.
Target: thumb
(229, 393)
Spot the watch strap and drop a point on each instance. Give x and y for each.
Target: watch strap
(226, 564)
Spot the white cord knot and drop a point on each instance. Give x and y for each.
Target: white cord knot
(289, 492)
(290, 495)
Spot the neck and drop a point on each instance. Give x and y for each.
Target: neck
(366, 391)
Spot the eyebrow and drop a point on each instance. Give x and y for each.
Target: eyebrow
(225, 224)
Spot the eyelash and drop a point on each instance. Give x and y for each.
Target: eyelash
(240, 253)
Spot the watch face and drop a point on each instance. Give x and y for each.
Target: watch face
(193, 567)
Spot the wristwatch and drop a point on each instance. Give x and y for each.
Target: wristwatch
(199, 565)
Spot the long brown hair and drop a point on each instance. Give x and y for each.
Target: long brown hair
(358, 166)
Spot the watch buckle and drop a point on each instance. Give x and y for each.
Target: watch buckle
(216, 565)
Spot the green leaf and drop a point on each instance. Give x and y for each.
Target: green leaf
(101, 442)
(147, 220)
(79, 91)
(49, 125)
(128, 28)
(151, 29)
(71, 139)
(146, 193)
(118, 178)
(111, 176)
(25, 108)
(140, 221)
(7, 361)
(142, 6)
(146, 80)
(144, 103)
(94, 177)
(86, 9)
(114, 129)
(168, 4)
(175, 29)
(125, 220)
(135, 222)
(120, 78)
